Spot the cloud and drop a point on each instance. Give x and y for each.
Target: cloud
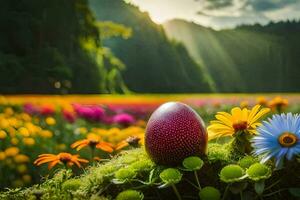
(216, 4)
(258, 5)
(267, 5)
(229, 13)
(221, 13)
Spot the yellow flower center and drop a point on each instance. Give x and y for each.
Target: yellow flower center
(240, 125)
(287, 139)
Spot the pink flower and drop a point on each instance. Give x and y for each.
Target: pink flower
(47, 110)
(89, 112)
(69, 116)
(30, 108)
(123, 119)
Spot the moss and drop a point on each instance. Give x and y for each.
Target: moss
(99, 176)
(219, 153)
(142, 165)
(97, 182)
(71, 185)
(125, 174)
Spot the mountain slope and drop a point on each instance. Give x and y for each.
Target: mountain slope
(40, 50)
(154, 63)
(246, 59)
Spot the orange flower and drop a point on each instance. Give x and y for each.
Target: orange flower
(130, 141)
(278, 103)
(262, 101)
(61, 158)
(93, 141)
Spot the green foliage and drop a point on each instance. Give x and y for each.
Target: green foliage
(55, 47)
(130, 195)
(219, 153)
(247, 161)
(193, 163)
(97, 183)
(109, 29)
(40, 50)
(142, 165)
(258, 171)
(170, 176)
(231, 173)
(209, 193)
(71, 185)
(232, 57)
(125, 174)
(154, 63)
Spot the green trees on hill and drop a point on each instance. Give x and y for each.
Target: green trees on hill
(153, 62)
(250, 58)
(40, 50)
(55, 47)
(61, 46)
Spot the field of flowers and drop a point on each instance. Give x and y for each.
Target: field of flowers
(40, 135)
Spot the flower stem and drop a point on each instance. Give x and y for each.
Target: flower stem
(192, 184)
(272, 193)
(176, 192)
(270, 186)
(197, 180)
(92, 154)
(225, 192)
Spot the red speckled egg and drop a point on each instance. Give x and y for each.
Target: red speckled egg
(174, 132)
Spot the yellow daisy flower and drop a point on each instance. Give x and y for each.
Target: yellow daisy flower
(50, 121)
(239, 120)
(11, 151)
(3, 134)
(2, 155)
(28, 141)
(21, 158)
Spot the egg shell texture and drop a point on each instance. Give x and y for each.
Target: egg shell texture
(174, 132)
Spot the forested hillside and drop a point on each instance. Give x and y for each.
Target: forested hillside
(245, 59)
(40, 49)
(153, 62)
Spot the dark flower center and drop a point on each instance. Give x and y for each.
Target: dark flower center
(133, 140)
(93, 142)
(240, 125)
(65, 157)
(287, 139)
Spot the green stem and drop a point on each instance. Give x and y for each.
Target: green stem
(270, 186)
(192, 184)
(92, 154)
(176, 192)
(225, 192)
(197, 180)
(272, 193)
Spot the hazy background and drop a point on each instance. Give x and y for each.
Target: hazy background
(149, 46)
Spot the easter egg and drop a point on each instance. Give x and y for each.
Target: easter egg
(174, 132)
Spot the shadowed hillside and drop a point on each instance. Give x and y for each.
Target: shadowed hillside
(153, 62)
(246, 59)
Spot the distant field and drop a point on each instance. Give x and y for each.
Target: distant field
(193, 99)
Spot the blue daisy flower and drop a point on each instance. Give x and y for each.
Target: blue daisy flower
(278, 138)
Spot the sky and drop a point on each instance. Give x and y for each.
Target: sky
(220, 14)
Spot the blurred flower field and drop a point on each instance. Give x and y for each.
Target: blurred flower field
(41, 134)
